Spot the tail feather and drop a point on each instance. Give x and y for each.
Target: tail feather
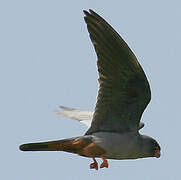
(83, 145)
(60, 145)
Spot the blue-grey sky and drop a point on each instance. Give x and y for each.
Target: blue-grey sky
(47, 60)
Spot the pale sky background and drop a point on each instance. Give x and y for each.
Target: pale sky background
(47, 60)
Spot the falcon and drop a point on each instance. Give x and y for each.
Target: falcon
(124, 93)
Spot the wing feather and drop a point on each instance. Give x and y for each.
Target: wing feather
(124, 91)
(83, 116)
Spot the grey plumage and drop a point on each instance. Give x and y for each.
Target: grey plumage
(124, 93)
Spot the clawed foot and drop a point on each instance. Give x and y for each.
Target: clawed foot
(94, 165)
(105, 163)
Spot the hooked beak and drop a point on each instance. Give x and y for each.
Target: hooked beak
(157, 153)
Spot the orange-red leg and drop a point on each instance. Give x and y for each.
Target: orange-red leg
(94, 165)
(105, 162)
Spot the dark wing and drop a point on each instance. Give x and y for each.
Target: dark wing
(124, 91)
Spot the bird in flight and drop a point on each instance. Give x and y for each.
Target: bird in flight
(123, 95)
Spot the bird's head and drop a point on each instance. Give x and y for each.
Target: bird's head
(150, 147)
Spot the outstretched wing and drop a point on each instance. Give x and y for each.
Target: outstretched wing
(124, 91)
(83, 116)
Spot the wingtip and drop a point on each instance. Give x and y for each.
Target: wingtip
(86, 13)
(66, 108)
(62, 107)
(91, 11)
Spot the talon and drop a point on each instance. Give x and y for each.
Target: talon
(94, 165)
(105, 163)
